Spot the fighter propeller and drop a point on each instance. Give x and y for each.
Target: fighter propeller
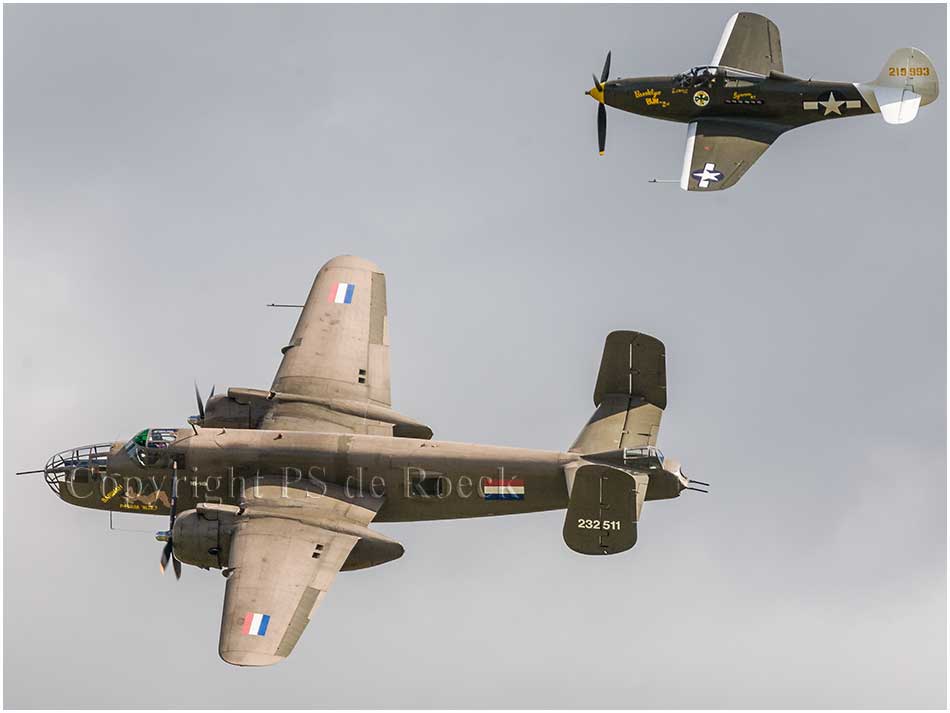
(598, 93)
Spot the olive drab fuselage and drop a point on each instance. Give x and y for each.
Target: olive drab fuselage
(777, 99)
(418, 479)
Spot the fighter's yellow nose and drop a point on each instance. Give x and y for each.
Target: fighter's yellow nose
(595, 93)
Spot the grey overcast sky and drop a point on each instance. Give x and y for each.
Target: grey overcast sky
(169, 170)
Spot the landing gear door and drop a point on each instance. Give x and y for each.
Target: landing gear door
(603, 510)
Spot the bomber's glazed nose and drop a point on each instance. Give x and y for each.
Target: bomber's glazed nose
(77, 465)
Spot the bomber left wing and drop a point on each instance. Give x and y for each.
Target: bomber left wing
(334, 373)
(720, 151)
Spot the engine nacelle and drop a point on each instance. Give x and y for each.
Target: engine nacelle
(222, 411)
(202, 537)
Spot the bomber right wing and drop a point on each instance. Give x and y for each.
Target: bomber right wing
(750, 42)
(282, 569)
(720, 151)
(287, 545)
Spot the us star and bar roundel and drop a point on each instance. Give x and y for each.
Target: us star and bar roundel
(342, 293)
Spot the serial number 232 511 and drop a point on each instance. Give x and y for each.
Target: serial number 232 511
(587, 524)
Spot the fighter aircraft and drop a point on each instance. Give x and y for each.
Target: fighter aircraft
(739, 104)
(277, 488)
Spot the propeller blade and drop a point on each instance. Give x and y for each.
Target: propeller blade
(201, 405)
(606, 73)
(601, 127)
(168, 551)
(600, 87)
(166, 555)
(698, 482)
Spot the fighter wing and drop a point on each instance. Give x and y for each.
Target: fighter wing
(719, 152)
(750, 42)
(281, 571)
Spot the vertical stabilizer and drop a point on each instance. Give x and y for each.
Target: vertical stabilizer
(907, 82)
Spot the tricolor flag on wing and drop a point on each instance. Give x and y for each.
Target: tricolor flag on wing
(255, 624)
(503, 489)
(342, 293)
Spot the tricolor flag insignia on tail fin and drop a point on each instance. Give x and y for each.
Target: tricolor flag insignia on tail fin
(342, 293)
(255, 624)
(503, 489)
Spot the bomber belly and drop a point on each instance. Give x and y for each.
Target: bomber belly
(440, 480)
(417, 479)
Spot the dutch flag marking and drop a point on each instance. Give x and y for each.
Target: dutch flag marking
(503, 489)
(342, 293)
(255, 624)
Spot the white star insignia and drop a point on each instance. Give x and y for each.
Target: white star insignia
(707, 174)
(832, 105)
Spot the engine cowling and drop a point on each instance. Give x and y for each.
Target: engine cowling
(202, 537)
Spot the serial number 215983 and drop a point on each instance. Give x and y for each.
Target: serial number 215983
(587, 524)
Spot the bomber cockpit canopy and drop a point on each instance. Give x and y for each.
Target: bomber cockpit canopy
(148, 446)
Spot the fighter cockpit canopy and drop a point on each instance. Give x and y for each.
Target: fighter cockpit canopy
(699, 77)
(147, 447)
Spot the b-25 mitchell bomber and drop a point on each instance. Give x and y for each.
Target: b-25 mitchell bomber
(277, 488)
(739, 104)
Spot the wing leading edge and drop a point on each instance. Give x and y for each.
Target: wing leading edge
(719, 151)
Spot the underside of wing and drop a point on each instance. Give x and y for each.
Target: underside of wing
(334, 375)
(281, 570)
(750, 42)
(286, 547)
(340, 346)
(719, 152)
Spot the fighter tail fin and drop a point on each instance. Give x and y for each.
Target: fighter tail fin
(907, 82)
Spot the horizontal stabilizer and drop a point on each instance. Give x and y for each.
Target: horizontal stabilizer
(898, 106)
